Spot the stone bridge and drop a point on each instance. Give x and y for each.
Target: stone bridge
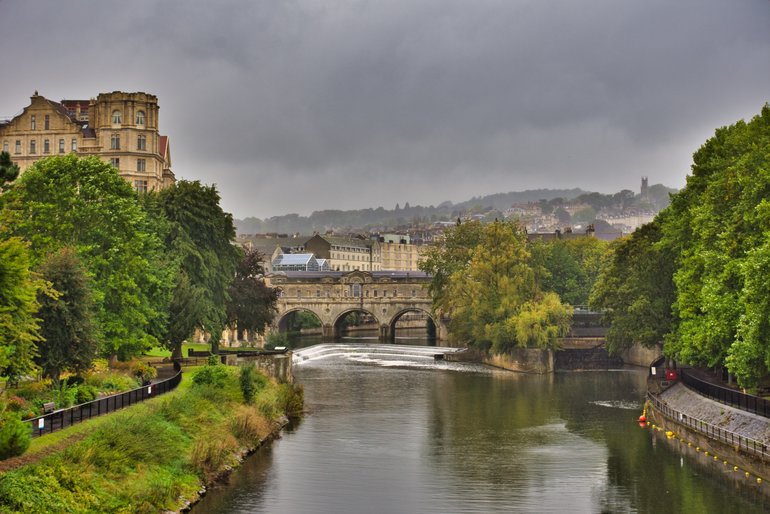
(331, 295)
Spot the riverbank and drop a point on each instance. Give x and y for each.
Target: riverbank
(732, 439)
(154, 457)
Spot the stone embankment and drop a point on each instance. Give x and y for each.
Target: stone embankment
(724, 438)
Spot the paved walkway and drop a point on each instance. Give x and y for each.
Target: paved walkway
(687, 401)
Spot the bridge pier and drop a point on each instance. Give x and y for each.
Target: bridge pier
(386, 334)
(328, 333)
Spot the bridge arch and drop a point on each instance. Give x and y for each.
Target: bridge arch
(338, 320)
(432, 326)
(284, 320)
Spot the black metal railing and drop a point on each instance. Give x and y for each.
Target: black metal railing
(737, 441)
(63, 418)
(737, 399)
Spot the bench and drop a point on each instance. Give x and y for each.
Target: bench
(48, 407)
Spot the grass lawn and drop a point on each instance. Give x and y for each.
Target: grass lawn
(163, 352)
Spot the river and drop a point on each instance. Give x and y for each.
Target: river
(391, 430)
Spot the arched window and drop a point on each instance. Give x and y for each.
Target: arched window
(140, 117)
(117, 117)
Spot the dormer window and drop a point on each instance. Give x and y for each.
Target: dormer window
(117, 117)
(140, 117)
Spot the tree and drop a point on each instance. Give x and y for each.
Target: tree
(84, 204)
(252, 305)
(8, 171)
(492, 297)
(635, 290)
(199, 236)
(568, 267)
(19, 327)
(68, 329)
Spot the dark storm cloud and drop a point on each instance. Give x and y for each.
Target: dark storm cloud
(300, 105)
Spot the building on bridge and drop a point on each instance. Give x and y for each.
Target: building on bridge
(120, 128)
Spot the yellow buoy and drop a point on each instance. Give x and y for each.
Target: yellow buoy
(705, 453)
(735, 468)
(759, 480)
(716, 458)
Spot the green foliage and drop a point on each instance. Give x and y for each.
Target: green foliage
(19, 330)
(8, 171)
(492, 295)
(198, 235)
(251, 305)
(250, 381)
(65, 395)
(214, 375)
(568, 267)
(276, 339)
(86, 393)
(69, 340)
(144, 372)
(15, 435)
(83, 203)
(635, 289)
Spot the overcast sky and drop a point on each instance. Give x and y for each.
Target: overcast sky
(300, 105)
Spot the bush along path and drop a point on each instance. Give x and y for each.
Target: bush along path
(160, 455)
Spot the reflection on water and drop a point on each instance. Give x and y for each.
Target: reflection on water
(392, 430)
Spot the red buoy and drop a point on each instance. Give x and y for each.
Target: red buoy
(642, 418)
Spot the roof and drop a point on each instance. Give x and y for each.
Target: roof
(293, 259)
(163, 143)
(346, 241)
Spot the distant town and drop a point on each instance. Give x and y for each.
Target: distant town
(380, 239)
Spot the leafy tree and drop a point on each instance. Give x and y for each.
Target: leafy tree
(635, 290)
(199, 236)
(493, 299)
(8, 171)
(449, 255)
(563, 216)
(19, 328)
(68, 330)
(252, 304)
(569, 267)
(83, 203)
(717, 227)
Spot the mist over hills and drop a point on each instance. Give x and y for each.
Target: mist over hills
(382, 219)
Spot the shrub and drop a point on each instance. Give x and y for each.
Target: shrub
(276, 339)
(65, 396)
(86, 393)
(211, 375)
(16, 404)
(144, 372)
(15, 436)
(247, 382)
(292, 399)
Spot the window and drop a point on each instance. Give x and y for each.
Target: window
(141, 143)
(115, 161)
(74, 144)
(318, 293)
(140, 186)
(115, 142)
(116, 117)
(32, 145)
(47, 121)
(61, 146)
(140, 117)
(32, 122)
(357, 290)
(46, 146)
(18, 146)
(5, 146)
(140, 165)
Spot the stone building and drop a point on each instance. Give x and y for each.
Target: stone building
(121, 128)
(346, 253)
